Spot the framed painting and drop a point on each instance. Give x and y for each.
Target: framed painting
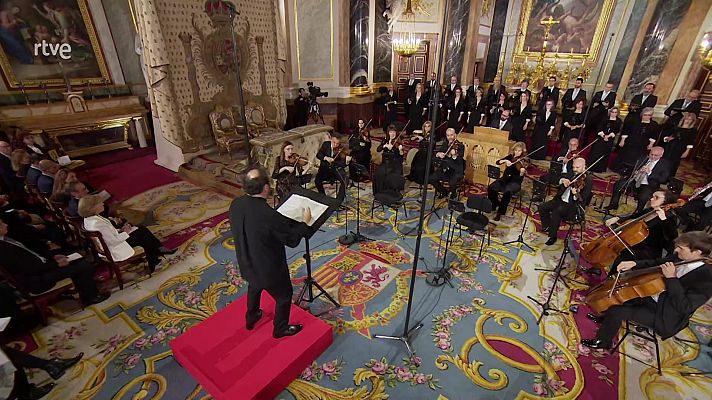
(48, 42)
(577, 32)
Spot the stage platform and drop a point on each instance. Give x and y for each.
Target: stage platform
(231, 362)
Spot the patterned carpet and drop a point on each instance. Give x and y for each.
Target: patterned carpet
(480, 339)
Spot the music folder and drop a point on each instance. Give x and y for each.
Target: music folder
(321, 206)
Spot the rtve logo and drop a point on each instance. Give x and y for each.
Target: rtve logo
(64, 50)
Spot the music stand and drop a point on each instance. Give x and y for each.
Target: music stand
(310, 284)
(356, 237)
(443, 274)
(538, 189)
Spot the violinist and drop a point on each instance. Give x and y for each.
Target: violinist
(360, 146)
(662, 229)
(332, 156)
(391, 150)
(688, 285)
(511, 180)
(450, 161)
(568, 155)
(652, 171)
(288, 170)
(419, 163)
(701, 204)
(570, 201)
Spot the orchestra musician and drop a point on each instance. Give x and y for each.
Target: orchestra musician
(550, 92)
(419, 163)
(450, 160)
(640, 102)
(653, 171)
(495, 111)
(494, 91)
(637, 137)
(687, 287)
(476, 110)
(288, 168)
(680, 141)
(360, 147)
(701, 204)
(607, 131)
(567, 155)
(511, 180)
(543, 130)
(572, 97)
(573, 123)
(662, 230)
(676, 109)
(417, 107)
(456, 108)
(391, 150)
(332, 157)
(521, 116)
(570, 201)
(601, 103)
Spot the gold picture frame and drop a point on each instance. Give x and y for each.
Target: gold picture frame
(64, 21)
(529, 45)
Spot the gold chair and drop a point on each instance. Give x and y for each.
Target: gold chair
(257, 122)
(227, 134)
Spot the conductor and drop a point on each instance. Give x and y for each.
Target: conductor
(260, 234)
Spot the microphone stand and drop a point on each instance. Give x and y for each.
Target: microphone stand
(520, 238)
(443, 275)
(238, 80)
(356, 237)
(408, 331)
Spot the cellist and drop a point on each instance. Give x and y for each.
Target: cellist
(687, 287)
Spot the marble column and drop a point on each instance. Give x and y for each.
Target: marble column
(626, 46)
(495, 41)
(358, 38)
(382, 52)
(456, 37)
(659, 40)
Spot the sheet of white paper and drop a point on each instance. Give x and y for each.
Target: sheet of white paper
(133, 229)
(292, 208)
(74, 256)
(3, 323)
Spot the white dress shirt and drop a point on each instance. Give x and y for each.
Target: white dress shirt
(644, 177)
(682, 271)
(604, 95)
(576, 91)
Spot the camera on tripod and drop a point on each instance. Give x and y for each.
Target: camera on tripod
(315, 91)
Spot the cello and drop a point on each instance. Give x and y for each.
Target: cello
(602, 251)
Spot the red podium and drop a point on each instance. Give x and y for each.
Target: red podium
(231, 362)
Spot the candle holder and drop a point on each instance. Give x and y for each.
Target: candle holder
(24, 93)
(43, 86)
(91, 93)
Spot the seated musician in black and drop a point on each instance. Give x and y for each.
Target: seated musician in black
(511, 180)
(570, 201)
(450, 165)
(662, 230)
(418, 164)
(391, 151)
(563, 163)
(652, 171)
(687, 287)
(331, 156)
(701, 204)
(360, 146)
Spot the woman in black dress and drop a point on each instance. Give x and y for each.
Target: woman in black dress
(419, 163)
(360, 146)
(476, 112)
(543, 129)
(573, 125)
(521, 116)
(496, 109)
(417, 107)
(637, 140)
(510, 182)
(390, 112)
(678, 144)
(287, 171)
(456, 108)
(607, 132)
(391, 159)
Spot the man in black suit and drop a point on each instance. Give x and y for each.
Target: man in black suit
(412, 82)
(260, 234)
(45, 183)
(653, 171)
(604, 99)
(550, 92)
(39, 271)
(700, 205)
(301, 108)
(503, 123)
(516, 96)
(331, 157)
(450, 89)
(8, 178)
(688, 286)
(431, 84)
(638, 103)
(572, 96)
(34, 172)
(450, 167)
(472, 89)
(494, 90)
(689, 104)
(569, 203)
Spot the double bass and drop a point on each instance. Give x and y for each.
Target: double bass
(602, 251)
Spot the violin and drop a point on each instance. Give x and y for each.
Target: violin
(297, 160)
(343, 152)
(601, 252)
(571, 154)
(364, 131)
(629, 285)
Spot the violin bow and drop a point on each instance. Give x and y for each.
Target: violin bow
(584, 171)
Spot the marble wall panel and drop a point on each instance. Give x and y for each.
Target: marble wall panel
(382, 52)
(496, 36)
(456, 37)
(626, 45)
(659, 40)
(358, 42)
(118, 14)
(314, 23)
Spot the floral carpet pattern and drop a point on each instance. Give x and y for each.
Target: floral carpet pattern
(480, 338)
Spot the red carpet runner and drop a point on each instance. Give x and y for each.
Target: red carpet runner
(231, 362)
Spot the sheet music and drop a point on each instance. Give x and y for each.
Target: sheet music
(292, 208)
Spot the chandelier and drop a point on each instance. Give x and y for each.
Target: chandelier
(406, 42)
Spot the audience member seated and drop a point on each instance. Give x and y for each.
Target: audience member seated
(55, 368)
(120, 241)
(34, 172)
(45, 183)
(76, 191)
(59, 190)
(29, 228)
(20, 160)
(29, 145)
(40, 271)
(8, 180)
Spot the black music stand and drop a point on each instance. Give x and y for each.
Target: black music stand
(538, 189)
(443, 274)
(310, 284)
(356, 237)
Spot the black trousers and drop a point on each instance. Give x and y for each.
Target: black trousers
(643, 194)
(81, 273)
(696, 206)
(282, 295)
(640, 310)
(642, 252)
(151, 245)
(451, 177)
(553, 211)
(22, 360)
(324, 174)
(507, 189)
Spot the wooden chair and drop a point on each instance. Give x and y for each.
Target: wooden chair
(103, 255)
(226, 133)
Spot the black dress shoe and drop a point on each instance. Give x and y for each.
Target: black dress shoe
(35, 393)
(251, 324)
(595, 318)
(290, 331)
(596, 344)
(165, 250)
(497, 217)
(57, 366)
(97, 299)
(551, 241)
